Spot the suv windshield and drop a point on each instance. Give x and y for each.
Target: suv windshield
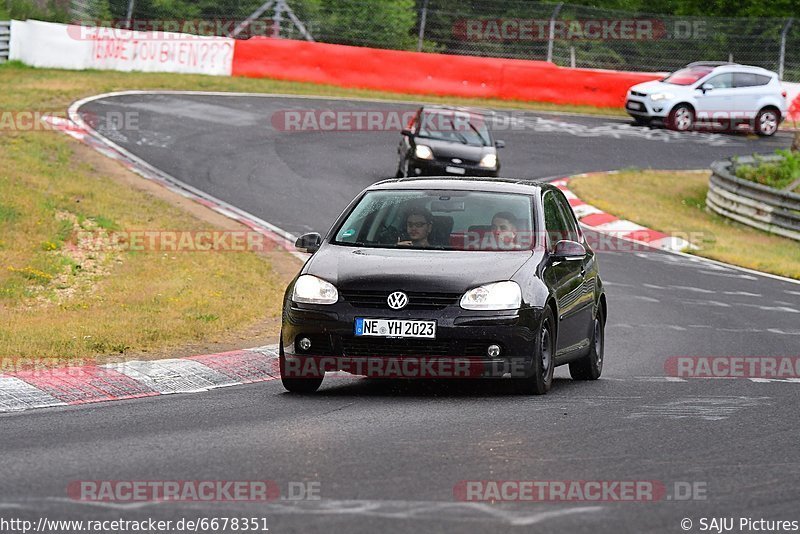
(454, 126)
(446, 220)
(687, 76)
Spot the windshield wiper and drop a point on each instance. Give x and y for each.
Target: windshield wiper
(460, 136)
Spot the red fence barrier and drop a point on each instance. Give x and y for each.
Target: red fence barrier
(438, 74)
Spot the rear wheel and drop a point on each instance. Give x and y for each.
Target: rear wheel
(590, 367)
(767, 122)
(298, 384)
(681, 118)
(540, 377)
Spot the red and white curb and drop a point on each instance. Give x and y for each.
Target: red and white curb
(600, 221)
(65, 386)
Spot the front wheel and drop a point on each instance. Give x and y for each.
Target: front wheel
(590, 367)
(681, 118)
(540, 376)
(767, 122)
(298, 384)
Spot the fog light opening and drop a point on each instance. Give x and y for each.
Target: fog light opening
(304, 344)
(493, 351)
(417, 171)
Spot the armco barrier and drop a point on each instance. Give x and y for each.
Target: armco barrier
(752, 203)
(424, 73)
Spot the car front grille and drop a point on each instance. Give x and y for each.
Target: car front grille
(416, 300)
(358, 346)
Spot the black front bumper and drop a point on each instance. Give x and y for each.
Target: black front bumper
(436, 167)
(458, 351)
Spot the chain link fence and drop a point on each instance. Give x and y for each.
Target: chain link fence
(566, 34)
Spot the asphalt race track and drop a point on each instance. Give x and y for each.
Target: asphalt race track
(387, 455)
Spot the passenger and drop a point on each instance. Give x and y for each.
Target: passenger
(419, 223)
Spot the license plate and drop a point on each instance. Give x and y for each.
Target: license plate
(634, 105)
(455, 170)
(395, 328)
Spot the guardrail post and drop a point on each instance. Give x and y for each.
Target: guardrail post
(422, 20)
(782, 58)
(552, 37)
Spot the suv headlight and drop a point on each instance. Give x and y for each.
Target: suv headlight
(489, 160)
(662, 96)
(423, 152)
(312, 290)
(496, 296)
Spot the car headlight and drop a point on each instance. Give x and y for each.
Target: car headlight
(662, 96)
(496, 296)
(423, 152)
(312, 290)
(489, 160)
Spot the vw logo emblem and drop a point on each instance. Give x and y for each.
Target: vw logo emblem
(397, 300)
(456, 160)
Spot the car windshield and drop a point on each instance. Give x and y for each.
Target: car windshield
(445, 220)
(687, 76)
(454, 126)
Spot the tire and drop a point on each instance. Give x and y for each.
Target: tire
(767, 122)
(681, 118)
(296, 384)
(540, 377)
(590, 367)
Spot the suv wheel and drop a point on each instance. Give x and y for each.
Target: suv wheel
(681, 118)
(767, 122)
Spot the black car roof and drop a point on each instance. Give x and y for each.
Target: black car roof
(500, 185)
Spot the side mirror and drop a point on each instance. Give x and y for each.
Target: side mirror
(406, 131)
(499, 144)
(308, 242)
(569, 250)
(706, 87)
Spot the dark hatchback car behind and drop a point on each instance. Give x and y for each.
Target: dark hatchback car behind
(447, 141)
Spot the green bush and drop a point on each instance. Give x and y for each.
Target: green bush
(777, 174)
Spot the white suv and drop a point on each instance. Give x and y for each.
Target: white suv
(723, 95)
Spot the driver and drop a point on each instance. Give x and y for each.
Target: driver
(419, 223)
(504, 228)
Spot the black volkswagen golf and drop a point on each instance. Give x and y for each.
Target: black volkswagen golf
(447, 278)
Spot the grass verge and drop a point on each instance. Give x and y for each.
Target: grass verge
(60, 301)
(675, 202)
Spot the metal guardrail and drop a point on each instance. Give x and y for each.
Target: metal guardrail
(5, 39)
(751, 203)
